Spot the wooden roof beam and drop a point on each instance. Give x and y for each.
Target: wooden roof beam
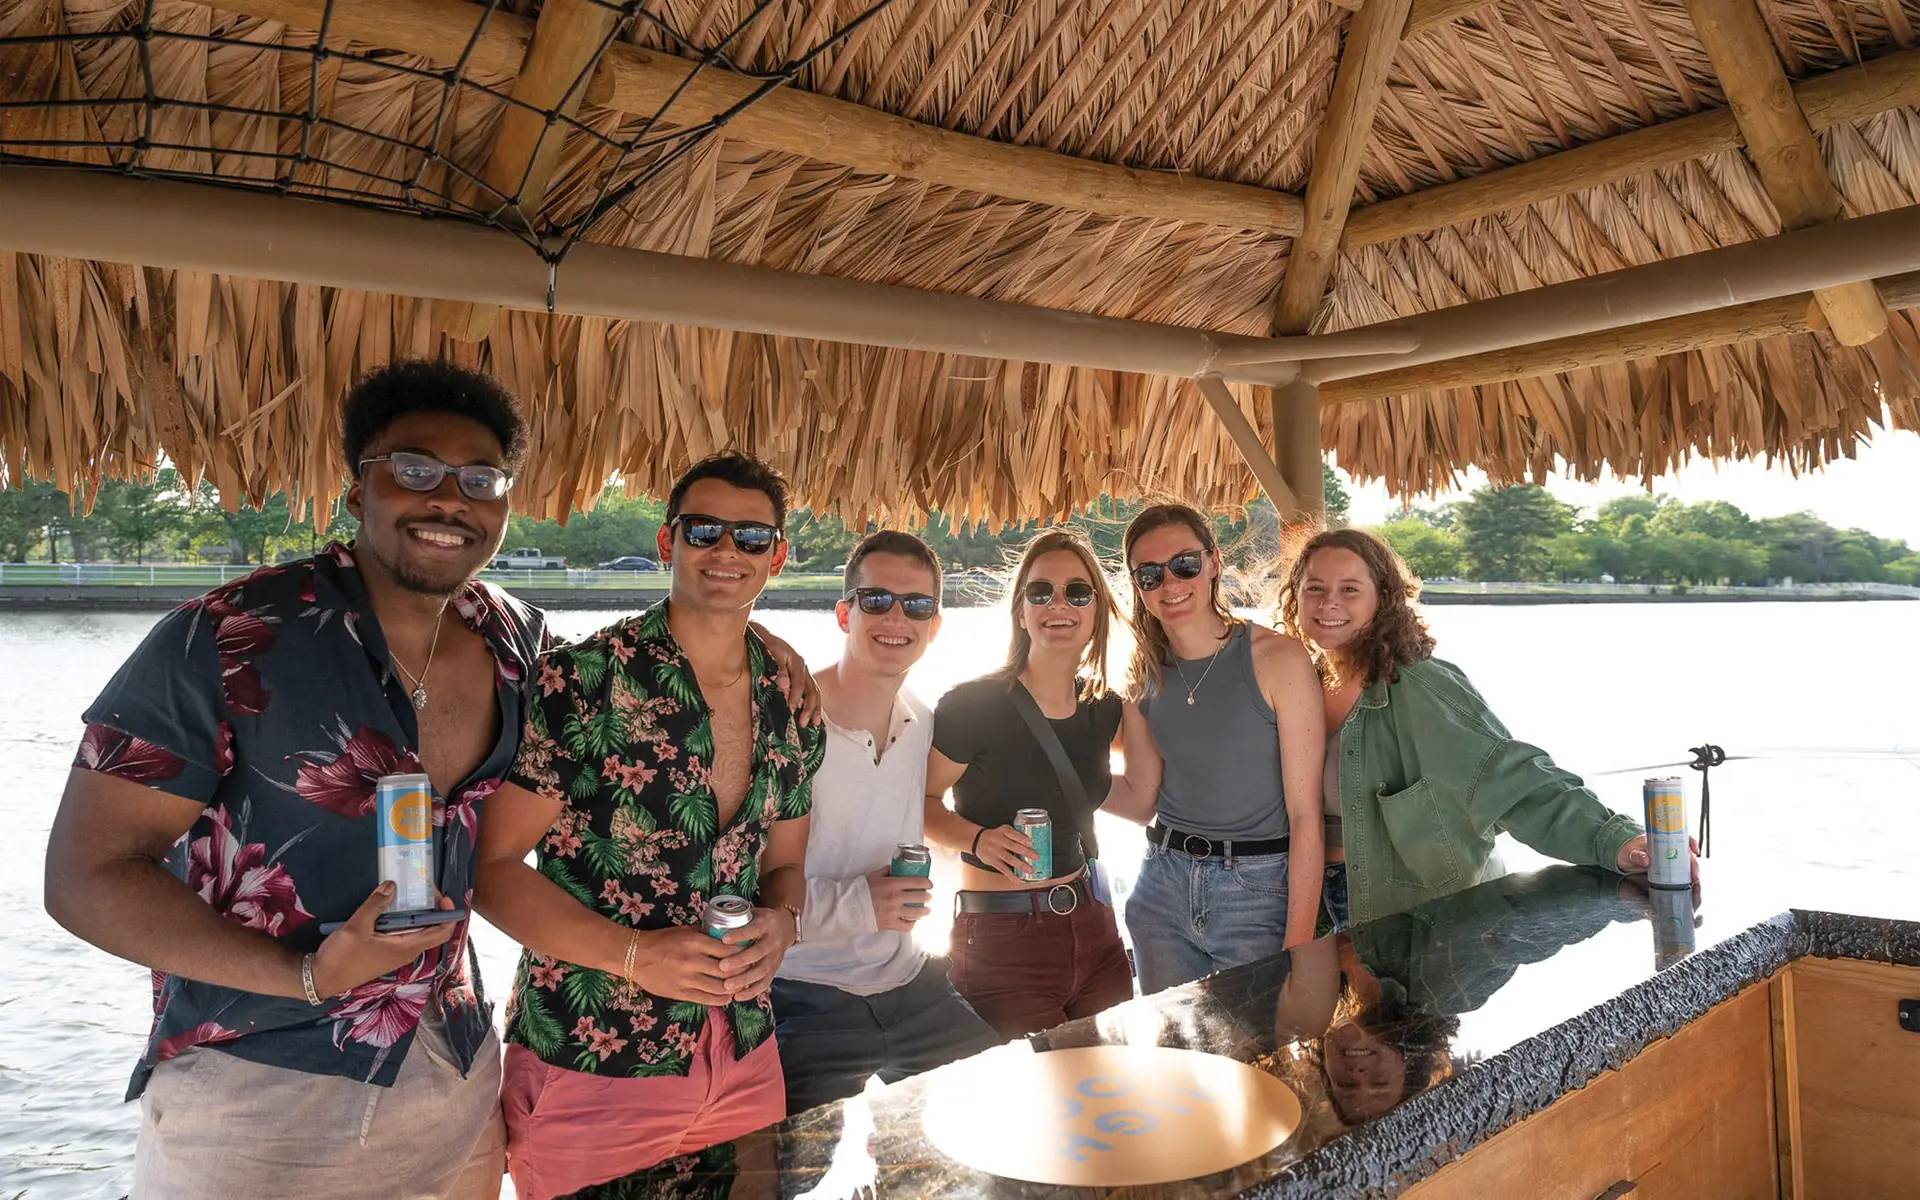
(1780, 143)
(568, 40)
(1358, 87)
(1428, 13)
(1827, 100)
(639, 81)
(1692, 331)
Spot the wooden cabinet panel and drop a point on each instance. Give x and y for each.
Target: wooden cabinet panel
(1690, 1118)
(1856, 1080)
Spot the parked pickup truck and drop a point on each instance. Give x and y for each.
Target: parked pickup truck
(527, 558)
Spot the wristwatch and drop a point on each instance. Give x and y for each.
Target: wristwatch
(798, 937)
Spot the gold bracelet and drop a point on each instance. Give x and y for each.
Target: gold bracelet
(626, 964)
(306, 981)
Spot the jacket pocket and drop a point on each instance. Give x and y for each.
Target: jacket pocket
(1419, 850)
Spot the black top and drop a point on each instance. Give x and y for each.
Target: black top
(977, 726)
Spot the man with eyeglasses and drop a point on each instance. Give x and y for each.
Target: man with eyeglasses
(858, 998)
(219, 823)
(663, 785)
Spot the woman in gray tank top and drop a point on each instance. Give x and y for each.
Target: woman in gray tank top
(1234, 857)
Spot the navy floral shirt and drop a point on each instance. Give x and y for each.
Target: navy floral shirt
(618, 733)
(272, 702)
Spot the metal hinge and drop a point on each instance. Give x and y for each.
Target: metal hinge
(1618, 1190)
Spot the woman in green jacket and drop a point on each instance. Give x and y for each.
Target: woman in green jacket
(1420, 775)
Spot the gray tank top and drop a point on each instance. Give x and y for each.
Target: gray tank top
(1222, 752)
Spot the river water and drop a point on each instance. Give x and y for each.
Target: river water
(1822, 694)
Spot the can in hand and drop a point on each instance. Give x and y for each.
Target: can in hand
(1669, 860)
(403, 811)
(1672, 926)
(1038, 826)
(911, 858)
(724, 914)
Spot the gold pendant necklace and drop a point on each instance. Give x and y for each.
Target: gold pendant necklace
(1191, 690)
(419, 693)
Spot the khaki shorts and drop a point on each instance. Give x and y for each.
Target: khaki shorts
(212, 1125)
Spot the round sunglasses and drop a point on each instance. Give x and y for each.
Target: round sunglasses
(425, 473)
(1079, 593)
(1184, 565)
(703, 533)
(878, 602)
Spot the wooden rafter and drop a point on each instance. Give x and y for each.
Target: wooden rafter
(1780, 143)
(1694, 331)
(1426, 14)
(640, 81)
(1358, 86)
(1826, 100)
(568, 40)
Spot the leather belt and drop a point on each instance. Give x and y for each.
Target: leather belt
(1058, 900)
(1199, 845)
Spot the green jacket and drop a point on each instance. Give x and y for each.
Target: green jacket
(1429, 776)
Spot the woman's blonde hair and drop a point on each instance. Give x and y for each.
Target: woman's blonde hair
(1093, 659)
(1152, 651)
(1396, 636)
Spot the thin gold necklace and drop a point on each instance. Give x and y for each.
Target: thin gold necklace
(419, 694)
(1195, 686)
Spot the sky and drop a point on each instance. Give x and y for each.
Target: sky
(1878, 491)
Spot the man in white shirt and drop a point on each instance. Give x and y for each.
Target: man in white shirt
(855, 997)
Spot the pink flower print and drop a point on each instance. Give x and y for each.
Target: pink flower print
(551, 680)
(632, 907)
(381, 1012)
(239, 635)
(619, 649)
(641, 1024)
(223, 749)
(123, 756)
(610, 891)
(240, 885)
(729, 857)
(549, 977)
(632, 776)
(464, 812)
(204, 1034)
(345, 783)
(603, 1042)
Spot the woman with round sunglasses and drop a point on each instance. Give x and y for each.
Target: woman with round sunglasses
(1035, 942)
(1234, 856)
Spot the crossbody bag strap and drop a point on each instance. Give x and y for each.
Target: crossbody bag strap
(1071, 788)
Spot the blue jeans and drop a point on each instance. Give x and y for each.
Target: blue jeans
(1190, 917)
(1333, 893)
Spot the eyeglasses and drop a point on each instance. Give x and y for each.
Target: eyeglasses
(1184, 565)
(1080, 593)
(878, 602)
(425, 473)
(703, 533)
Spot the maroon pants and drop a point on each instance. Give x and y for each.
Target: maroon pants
(1024, 972)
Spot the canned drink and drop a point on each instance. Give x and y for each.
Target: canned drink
(724, 914)
(1669, 864)
(1672, 926)
(403, 808)
(911, 858)
(1038, 826)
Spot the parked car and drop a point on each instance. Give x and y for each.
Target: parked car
(528, 558)
(631, 562)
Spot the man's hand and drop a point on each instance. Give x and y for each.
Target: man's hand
(773, 932)
(355, 953)
(1634, 859)
(1006, 850)
(791, 674)
(898, 900)
(683, 963)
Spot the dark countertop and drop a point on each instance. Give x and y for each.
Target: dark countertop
(1496, 1001)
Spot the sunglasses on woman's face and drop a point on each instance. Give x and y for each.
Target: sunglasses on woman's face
(878, 602)
(1080, 593)
(425, 473)
(704, 533)
(1184, 565)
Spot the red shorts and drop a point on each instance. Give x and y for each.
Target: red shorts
(567, 1130)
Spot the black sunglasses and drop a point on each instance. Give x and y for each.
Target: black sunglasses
(1080, 593)
(878, 602)
(425, 473)
(1184, 565)
(703, 533)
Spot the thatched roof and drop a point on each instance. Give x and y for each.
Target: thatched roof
(103, 366)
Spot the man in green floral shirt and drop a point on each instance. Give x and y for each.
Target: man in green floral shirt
(659, 767)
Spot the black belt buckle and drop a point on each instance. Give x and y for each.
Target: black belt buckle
(1073, 899)
(1186, 845)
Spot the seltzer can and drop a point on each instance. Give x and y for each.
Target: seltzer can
(724, 914)
(1038, 826)
(403, 809)
(1669, 863)
(1672, 926)
(911, 858)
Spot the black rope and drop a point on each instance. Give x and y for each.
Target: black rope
(1705, 758)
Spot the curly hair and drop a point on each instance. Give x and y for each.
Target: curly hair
(1152, 651)
(1396, 636)
(397, 389)
(1093, 660)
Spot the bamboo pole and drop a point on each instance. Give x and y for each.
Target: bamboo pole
(1247, 440)
(1296, 434)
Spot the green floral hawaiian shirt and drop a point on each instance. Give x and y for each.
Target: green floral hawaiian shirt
(617, 732)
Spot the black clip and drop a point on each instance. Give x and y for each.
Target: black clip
(1910, 1015)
